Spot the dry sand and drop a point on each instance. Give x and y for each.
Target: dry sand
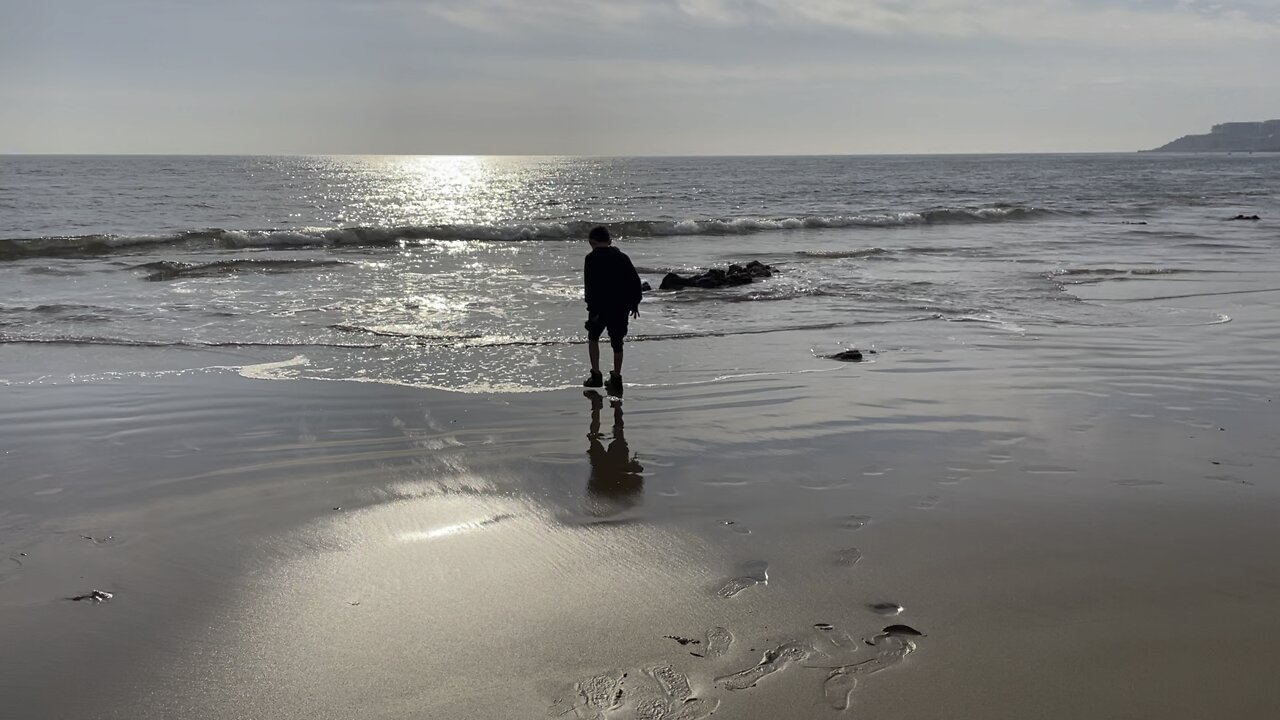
(1081, 526)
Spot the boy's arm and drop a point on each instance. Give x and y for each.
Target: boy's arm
(588, 282)
(633, 282)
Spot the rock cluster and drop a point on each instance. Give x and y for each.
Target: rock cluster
(716, 277)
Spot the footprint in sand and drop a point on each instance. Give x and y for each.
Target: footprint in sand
(927, 503)
(840, 684)
(773, 661)
(662, 709)
(887, 609)
(754, 573)
(678, 702)
(839, 687)
(652, 709)
(835, 639)
(719, 640)
(674, 683)
(598, 695)
(693, 709)
(1137, 483)
(591, 698)
(821, 486)
(855, 522)
(890, 647)
(848, 556)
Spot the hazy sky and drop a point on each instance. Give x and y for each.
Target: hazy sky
(613, 77)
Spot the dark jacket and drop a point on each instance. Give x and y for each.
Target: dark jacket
(612, 283)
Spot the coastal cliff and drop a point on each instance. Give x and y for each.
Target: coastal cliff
(1230, 137)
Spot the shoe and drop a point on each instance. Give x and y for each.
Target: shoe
(614, 387)
(595, 380)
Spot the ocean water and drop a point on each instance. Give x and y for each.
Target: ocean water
(463, 273)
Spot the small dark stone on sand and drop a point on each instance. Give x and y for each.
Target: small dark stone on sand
(337, 507)
(847, 356)
(96, 596)
(902, 631)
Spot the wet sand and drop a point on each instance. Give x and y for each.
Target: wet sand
(1081, 523)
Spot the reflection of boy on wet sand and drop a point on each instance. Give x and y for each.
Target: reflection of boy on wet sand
(616, 481)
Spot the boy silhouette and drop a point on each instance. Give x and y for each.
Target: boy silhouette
(613, 295)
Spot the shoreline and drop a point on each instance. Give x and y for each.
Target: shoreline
(1074, 518)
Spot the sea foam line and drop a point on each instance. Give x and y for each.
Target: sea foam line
(233, 239)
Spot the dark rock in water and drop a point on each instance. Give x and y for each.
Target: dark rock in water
(1246, 217)
(1134, 222)
(718, 278)
(96, 596)
(645, 286)
(671, 281)
(847, 356)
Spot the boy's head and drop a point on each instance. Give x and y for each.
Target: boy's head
(599, 237)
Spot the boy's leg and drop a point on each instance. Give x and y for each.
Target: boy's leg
(595, 326)
(593, 350)
(617, 331)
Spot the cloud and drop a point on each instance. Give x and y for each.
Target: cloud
(1121, 23)
(633, 76)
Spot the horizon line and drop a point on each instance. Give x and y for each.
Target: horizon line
(592, 155)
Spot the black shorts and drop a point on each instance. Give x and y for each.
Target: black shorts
(614, 322)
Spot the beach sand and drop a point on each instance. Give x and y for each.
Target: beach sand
(1081, 524)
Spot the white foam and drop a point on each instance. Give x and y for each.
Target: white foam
(267, 371)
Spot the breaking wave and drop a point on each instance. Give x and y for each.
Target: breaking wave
(1093, 276)
(494, 341)
(215, 238)
(167, 270)
(843, 254)
(7, 338)
(1122, 271)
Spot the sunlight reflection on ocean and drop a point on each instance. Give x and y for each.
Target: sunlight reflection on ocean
(464, 272)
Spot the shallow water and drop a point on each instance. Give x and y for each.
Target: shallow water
(464, 273)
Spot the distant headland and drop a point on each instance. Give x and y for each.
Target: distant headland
(1230, 137)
